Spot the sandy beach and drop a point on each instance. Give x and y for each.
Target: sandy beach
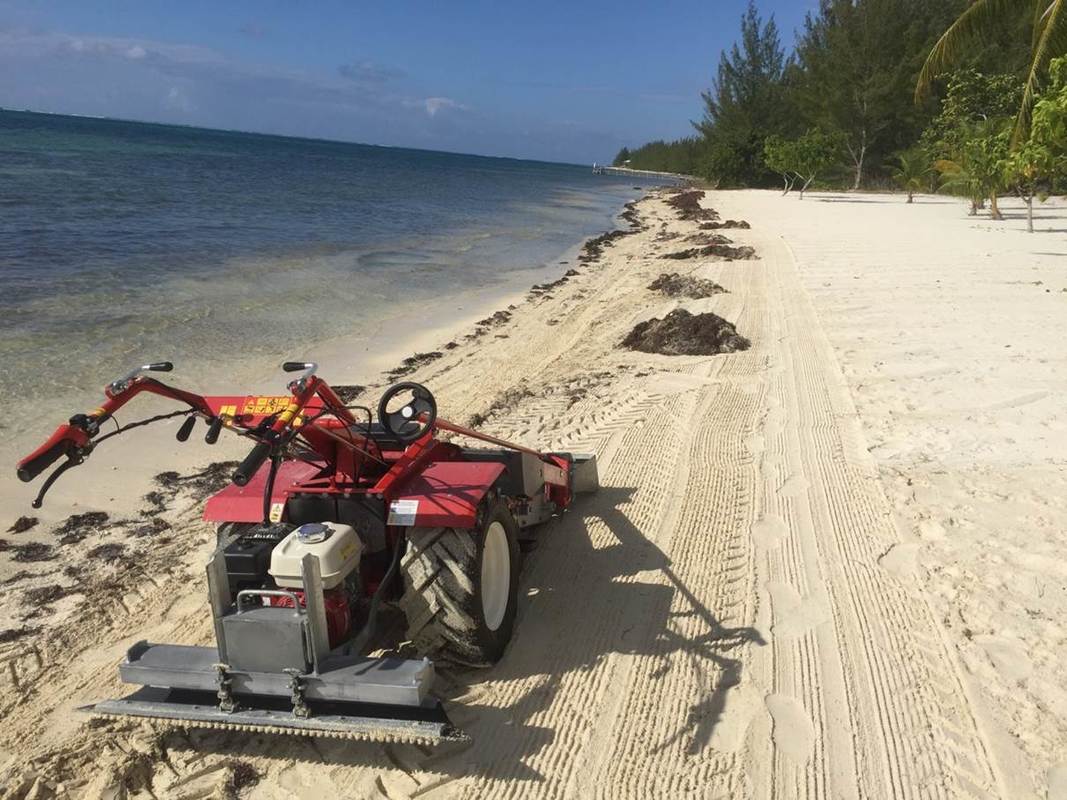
(826, 566)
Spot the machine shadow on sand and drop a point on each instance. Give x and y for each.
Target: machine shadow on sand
(578, 609)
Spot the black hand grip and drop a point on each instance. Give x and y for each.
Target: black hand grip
(31, 469)
(253, 461)
(295, 366)
(187, 428)
(161, 366)
(213, 429)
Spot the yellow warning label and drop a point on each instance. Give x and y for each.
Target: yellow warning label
(276, 511)
(228, 411)
(265, 406)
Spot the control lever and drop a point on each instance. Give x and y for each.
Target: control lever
(213, 429)
(187, 428)
(123, 383)
(309, 367)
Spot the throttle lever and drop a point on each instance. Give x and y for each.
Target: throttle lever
(186, 429)
(213, 429)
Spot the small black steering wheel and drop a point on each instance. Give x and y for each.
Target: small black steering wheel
(407, 410)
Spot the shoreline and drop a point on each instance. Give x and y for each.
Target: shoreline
(354, 358)
(784, 537)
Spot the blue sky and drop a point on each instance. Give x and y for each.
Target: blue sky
(561, 81)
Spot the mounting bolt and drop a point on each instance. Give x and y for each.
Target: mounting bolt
(296, 688)
(227, 705)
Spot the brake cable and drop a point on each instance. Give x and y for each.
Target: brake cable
(141, 423)
(78, 457)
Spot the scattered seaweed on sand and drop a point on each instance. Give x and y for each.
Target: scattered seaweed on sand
(683, 334)
(594, 248)
(347, 392)
(412, 363)
(242, 775)
(213, 478)
(543, 289)
(44, 595)
(631, 216)
(738, 224)
(9, 635)
(108, 553)
(504, 401)
(153, 527)
(675, 285)
(77, 526)
(22, 524)
(723, 251)
(687, 206)
(708, 238)
(495, 319)
(157, 504)
(33, 551)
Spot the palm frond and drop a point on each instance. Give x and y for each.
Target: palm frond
(1050, 40)
(980, 16)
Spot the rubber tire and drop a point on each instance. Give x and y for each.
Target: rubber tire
(442, 601)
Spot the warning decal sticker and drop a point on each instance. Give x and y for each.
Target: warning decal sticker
(403, 512)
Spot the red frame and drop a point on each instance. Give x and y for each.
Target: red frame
(426, 469)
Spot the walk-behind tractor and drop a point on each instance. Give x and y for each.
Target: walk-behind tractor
(331, 515)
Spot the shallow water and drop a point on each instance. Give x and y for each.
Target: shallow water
(122, 243)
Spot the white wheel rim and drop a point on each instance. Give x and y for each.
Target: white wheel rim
(496, 575)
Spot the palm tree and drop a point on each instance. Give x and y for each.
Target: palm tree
(1049, 41)
(912, 171)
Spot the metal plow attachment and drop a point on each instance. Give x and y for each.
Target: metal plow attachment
(350, 697)
(426, 724)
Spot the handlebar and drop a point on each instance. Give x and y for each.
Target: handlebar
(253, 461)
(61, 443)
(65, 441)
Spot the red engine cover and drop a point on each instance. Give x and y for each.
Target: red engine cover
(338, 614)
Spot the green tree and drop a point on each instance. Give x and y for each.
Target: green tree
(778, 156)
(622, 157)
(1027, 169)
(982, 17)
(912, 171)
(1034, 164)
(859, 60)
(971, 97)
(682, 156)
(814, 152)
(745, 104)
(978, 171)
(801, 160)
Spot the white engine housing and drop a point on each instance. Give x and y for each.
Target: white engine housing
(338, 555)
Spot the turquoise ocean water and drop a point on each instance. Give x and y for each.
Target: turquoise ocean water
(122, 242)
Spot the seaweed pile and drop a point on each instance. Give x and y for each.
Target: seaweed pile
(683, 334)
(675, 285)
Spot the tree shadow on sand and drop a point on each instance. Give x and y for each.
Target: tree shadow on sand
(580, 604)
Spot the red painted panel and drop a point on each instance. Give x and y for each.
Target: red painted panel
(448, 492)
(245, 503)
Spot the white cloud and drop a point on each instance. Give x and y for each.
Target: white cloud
(433, 105)
(178, 100)
(370, 72)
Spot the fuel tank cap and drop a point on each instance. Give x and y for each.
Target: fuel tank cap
(313, 533)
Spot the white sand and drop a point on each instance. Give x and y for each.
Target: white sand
(823, 567)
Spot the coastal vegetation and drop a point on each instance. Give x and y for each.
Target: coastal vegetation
(954, 96)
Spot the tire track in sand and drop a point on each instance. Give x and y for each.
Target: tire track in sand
(854, 649)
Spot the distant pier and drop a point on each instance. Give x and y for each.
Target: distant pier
(601, 169)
